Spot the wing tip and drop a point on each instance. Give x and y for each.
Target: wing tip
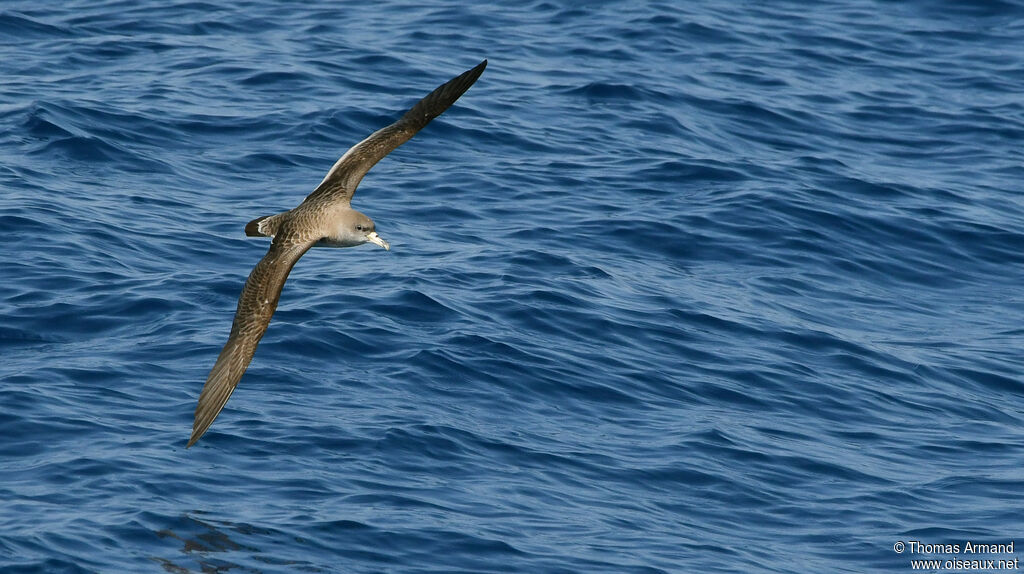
(471, 75)
(198, 430)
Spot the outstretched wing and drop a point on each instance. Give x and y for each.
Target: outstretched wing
(256, 306)
(341, 181)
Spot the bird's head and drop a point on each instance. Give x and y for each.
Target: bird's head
(359, 228)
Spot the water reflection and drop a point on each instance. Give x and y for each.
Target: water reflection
(203, 545)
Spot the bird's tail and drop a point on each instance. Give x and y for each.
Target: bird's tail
(265, 226)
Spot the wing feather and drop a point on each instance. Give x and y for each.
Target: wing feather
(262, 290)
(341, 181)
(256, 306)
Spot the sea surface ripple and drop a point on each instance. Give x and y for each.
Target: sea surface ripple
(675, 287)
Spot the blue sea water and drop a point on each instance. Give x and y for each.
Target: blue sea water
(675, 287)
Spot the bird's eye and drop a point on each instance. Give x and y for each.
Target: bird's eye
(359, 227)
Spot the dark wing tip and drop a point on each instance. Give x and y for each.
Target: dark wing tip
(443, 97)
(479, 68)
(341, 181)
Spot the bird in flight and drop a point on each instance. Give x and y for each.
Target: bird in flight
(324, 219)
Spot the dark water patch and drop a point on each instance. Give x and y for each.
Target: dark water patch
(292, 80)
(676, 171)
(609, 92)
(15, 336)
(24, 27)
(416, 307)
(38, 127)
(83, 149)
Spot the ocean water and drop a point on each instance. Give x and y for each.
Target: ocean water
(675, 287)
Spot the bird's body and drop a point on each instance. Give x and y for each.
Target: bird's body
(324, 219)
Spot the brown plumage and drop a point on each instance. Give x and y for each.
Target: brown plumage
(325, 218)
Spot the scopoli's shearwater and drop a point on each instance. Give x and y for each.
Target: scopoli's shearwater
(323, 219)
